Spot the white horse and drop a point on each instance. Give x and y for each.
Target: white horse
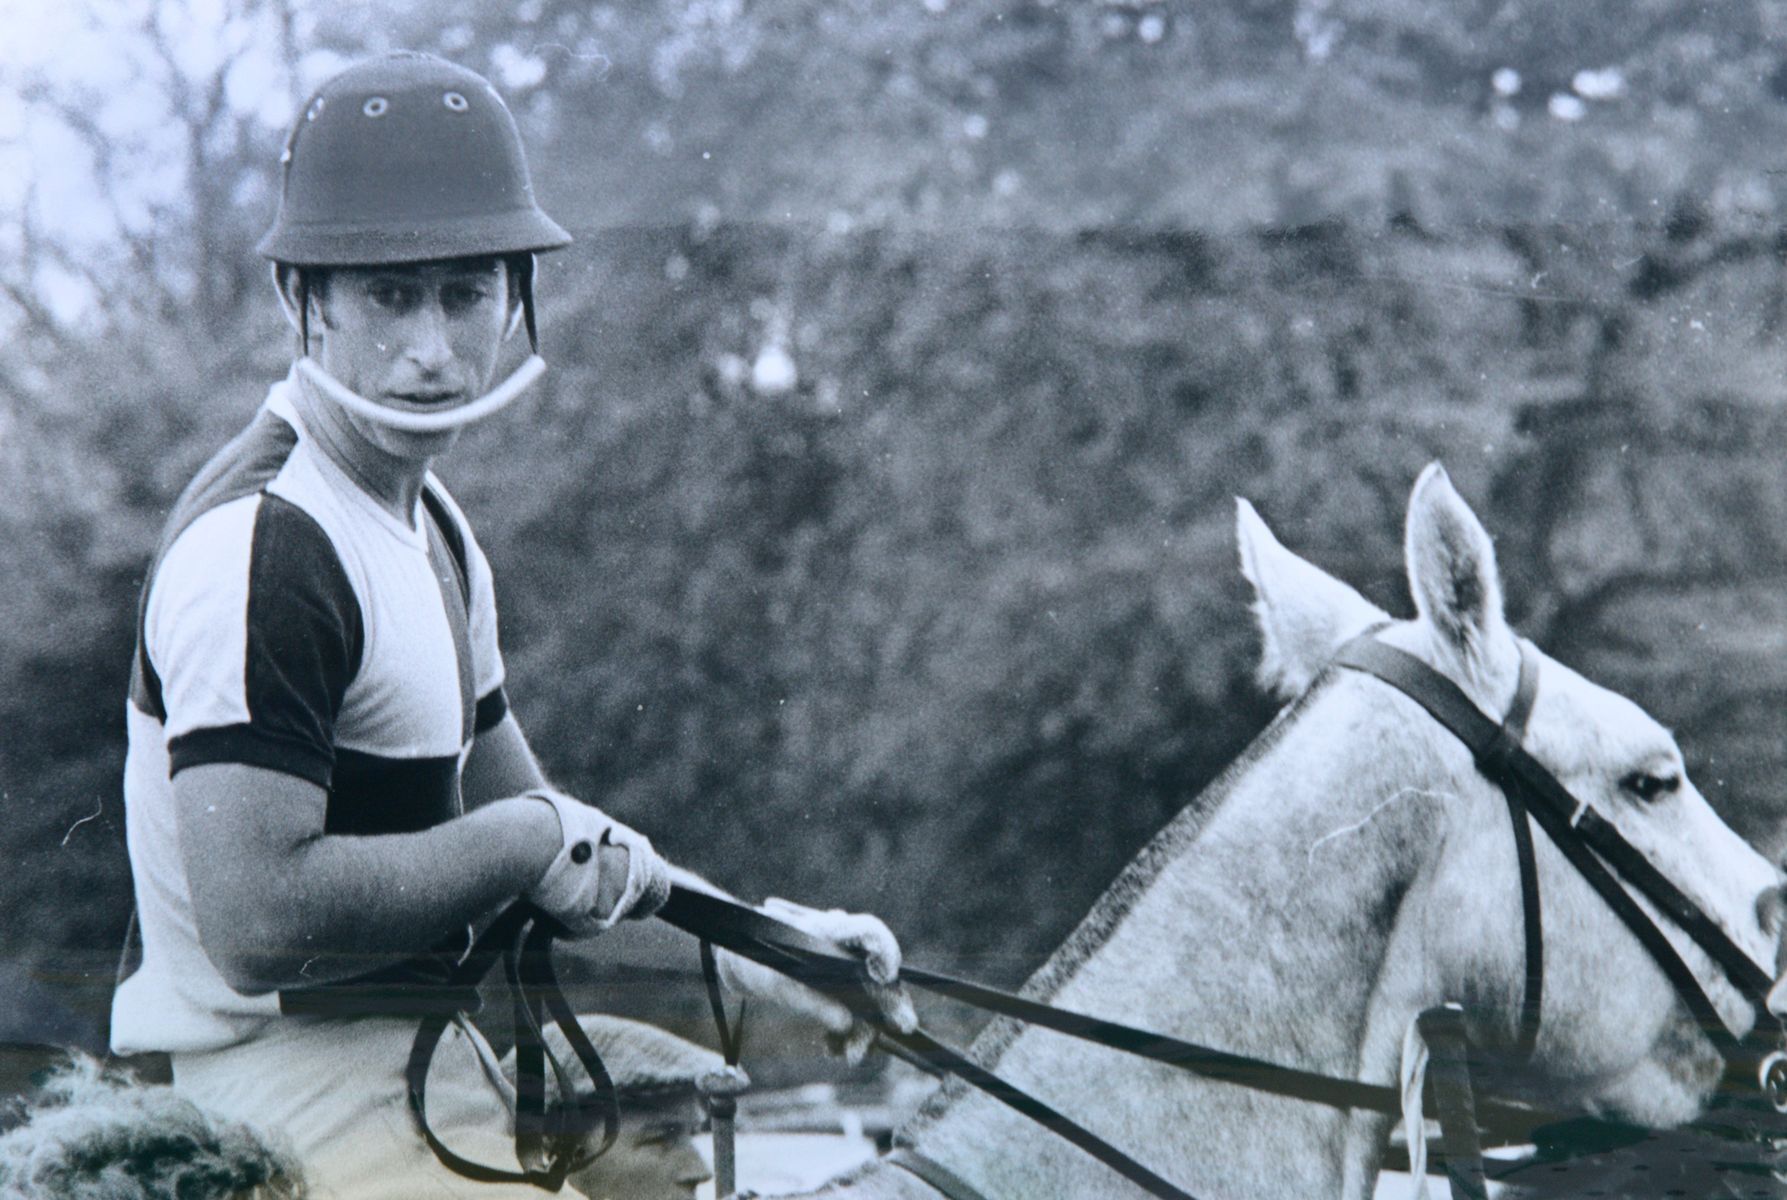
(1350, 870)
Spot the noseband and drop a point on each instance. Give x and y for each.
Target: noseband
(1597, 850)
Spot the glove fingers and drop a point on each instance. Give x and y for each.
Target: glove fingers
(875, 944)
(654, 892)
(754, 979)
(854, 1045)
(896, 1006)
(648, 875)
(861, 934)
(864, 937)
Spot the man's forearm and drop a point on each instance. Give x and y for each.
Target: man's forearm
(337, 905)
(501, 764)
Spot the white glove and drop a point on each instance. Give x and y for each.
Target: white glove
(580, 889)
(856, 933)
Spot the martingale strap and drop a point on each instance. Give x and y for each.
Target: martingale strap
(1442, 1028)
(934, 1173)
(1592, 845)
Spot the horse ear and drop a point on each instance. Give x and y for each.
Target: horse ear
(1304, 613)
(1453, 576)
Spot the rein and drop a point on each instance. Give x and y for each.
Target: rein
(825, 968)
(545, 1142)
(548, 1142)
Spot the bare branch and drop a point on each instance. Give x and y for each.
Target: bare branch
(42, 320)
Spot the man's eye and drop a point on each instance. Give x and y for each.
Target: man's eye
(461, 296)
(391, 295)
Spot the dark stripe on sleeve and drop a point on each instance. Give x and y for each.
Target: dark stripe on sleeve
(241, 468)
(252, 747)
(305, 637)
(492, 708)
(373, 794)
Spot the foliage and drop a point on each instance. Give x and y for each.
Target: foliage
(869, 541)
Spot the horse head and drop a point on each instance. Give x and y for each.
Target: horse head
(1355, 867)
(1612, 1032)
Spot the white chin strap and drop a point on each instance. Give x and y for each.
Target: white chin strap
(424, 422)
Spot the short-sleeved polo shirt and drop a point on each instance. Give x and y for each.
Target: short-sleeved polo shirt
(290, 622)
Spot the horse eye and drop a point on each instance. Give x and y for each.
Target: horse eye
(1648, 787)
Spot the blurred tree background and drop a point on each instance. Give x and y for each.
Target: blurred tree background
(870, 540)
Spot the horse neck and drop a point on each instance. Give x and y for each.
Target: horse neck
(1261, 921)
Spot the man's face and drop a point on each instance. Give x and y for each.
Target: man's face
(653, 1158)
(415, 336)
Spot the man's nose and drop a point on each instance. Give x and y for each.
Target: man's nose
(426, 343)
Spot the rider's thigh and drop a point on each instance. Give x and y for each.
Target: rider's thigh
(334, 1094)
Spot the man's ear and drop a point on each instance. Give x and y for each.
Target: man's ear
(285, 282)
(512, 269)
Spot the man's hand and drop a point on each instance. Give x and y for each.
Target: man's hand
(858, 934)
(603, 871)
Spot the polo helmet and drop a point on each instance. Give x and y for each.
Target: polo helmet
(405, 158)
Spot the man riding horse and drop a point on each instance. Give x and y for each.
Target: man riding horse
(326, 788)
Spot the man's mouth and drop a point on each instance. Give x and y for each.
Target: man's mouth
(418, 400)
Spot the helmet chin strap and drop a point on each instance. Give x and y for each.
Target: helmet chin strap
(424, 422)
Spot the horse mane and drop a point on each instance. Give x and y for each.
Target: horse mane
(1115, 904)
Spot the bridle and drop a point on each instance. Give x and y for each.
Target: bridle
(1534, 795)
(1598, 851)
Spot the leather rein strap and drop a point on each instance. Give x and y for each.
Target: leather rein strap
(1592, 845)
(826, 968)
(548, 1143)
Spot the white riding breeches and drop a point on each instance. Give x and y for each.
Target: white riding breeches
(332, 1092)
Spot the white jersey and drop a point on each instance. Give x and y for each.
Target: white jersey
(289, 622)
